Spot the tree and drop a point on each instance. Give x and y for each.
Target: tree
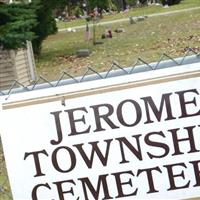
(21, 22)
(143, 2)
(120, 4)
(17, 21)
(46, 23)
(170, 2)
(101, 4)
(131, 2)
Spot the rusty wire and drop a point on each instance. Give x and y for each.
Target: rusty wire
(114, 70)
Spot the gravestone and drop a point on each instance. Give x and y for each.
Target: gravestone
(83, 52)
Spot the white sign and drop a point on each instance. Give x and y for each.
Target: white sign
(123, 138)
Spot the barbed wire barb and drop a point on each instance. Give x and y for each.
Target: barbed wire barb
(193, 51)
(15, 83)
(138, 62)
(189, 51)
(64, 73)
(89, 69)
(115, 64)
(44, 79)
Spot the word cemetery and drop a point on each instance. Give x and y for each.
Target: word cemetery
(141, 140)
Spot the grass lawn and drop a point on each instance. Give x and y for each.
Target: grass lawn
(4, 183)
(147, 39)
(134, 12)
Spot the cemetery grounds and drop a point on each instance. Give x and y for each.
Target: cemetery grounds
(148, 39)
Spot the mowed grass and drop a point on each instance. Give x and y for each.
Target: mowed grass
(138, 11)
(5, 193)
(147, 39)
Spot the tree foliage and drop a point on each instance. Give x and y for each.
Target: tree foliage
(16, 25)
(21, 22)
(170, 2)
(131, 2)
(102, 4)
(46, 23)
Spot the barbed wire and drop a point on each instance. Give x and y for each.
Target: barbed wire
(114, 70)
(90, 74)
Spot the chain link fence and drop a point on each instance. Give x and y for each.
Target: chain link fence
(166, 61)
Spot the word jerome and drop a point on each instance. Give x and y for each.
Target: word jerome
(141, 147)
(185, 100)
